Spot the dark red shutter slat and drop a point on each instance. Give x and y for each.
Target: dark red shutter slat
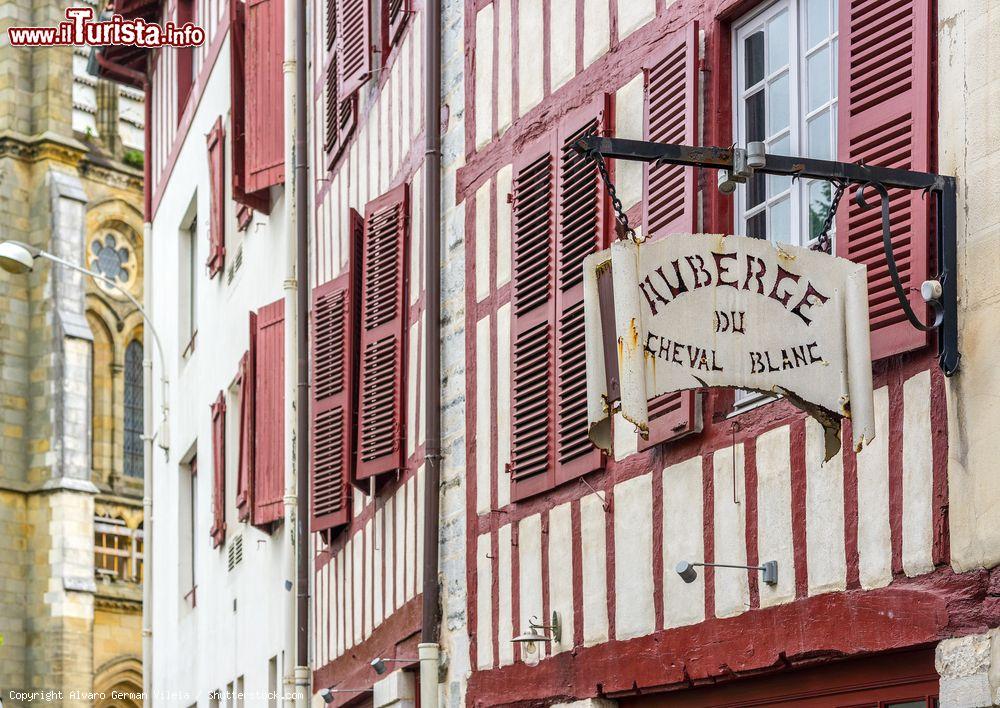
(218, 530)
(332, 402)
(354, 45)
(382, 386)
(217, 199)
(884, 118)
(582, 227)
(245, 478)
(394, 14)
(670, 196)
(340, 115)
(533, 326)
(265, 147)
(269, 415)
(237, 95)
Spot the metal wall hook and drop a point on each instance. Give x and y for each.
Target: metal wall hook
(890, 259)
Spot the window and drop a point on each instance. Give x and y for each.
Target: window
(189, 267)
(272, 682)
(133, 425)
(239, 692)
(117, 550)
(785, 95)
(187, 521)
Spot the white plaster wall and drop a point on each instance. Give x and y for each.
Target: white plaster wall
(503, 405)
(561, 573)
(188, 654)
(531, 88)
(505, 72)
(562, 42)
(683, 540)
(968, 142)
(484, 604)
(595, 578)
(529, 558)
(484, 428)
(483, 107)
(633, 502)
(505, 627)
(826, 561)
(774, 514)
(732, 591)
(596, 30)
(628, 125)
(874, 537)
(633, 14)
(918, 476)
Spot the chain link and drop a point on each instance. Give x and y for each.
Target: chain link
(620, 214)
(823, 243)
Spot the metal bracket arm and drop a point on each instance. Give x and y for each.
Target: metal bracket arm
(944, 303)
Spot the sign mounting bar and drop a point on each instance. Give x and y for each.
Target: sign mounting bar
(941, 294)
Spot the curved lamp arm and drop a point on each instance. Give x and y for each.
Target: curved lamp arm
(39, 253)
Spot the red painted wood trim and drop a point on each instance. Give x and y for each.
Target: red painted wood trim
(750, 489)
(939, 457)
(577, 544)
(609, 552)
(708, 518)
(924, 610)
(852, 556)
(184, 125)
(799, 489)
(657, 531)
(895, 442)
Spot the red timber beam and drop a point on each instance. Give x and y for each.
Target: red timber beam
(820, 629)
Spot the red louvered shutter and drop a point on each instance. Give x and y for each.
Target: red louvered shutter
(332, 415)
(884, 118)
(186, 13)
(218, 530)
(382, 385)
(269, 415)
(340, 115)
(582, 216)
(217, 199)
(670, 192)
(533, 326)
(265, 146)
(245, 476)
(354, 45)
(394, 14)
(237, 97)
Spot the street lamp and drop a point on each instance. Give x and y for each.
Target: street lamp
(18, 258)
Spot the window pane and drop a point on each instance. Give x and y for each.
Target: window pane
(776, 184)
(757, 226)
(777, 42)
(777, 105)
(754, 51)
(818, 78)
(817, 21)
(820, 195)
(755, 117)
(819, 137)
(781, 221)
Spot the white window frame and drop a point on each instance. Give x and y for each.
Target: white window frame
(796, 191)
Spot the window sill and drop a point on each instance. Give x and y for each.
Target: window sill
(756, 401)
(189, 349)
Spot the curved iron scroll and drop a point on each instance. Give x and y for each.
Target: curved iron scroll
(859, 197)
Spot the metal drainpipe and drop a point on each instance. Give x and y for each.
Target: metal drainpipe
(432, 228)
(147, 410)
(292, 323)
(302, 335)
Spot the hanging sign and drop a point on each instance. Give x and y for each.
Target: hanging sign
(704, 311)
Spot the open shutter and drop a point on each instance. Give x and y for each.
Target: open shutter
(218, 530)
(332, 417)
(340, 114)
(354, 45)
(217, 199)
(582, 226)
(245, 478)
(884, 119)
(237, 96)
(670, 192)
(394, 14)
(264, 106)
(533, 326)
(269, 415)
(382, 391)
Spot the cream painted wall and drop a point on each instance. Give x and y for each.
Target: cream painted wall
(969, 147)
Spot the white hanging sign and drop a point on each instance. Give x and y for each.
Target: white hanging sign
(703, 311)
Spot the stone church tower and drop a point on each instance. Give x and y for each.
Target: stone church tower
(70, 375)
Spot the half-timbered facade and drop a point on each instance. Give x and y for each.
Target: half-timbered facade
(883, 554)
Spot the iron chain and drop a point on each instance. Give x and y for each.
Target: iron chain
(620, 214)
(823, 243)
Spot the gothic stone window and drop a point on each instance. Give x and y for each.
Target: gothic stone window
(133, 410)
